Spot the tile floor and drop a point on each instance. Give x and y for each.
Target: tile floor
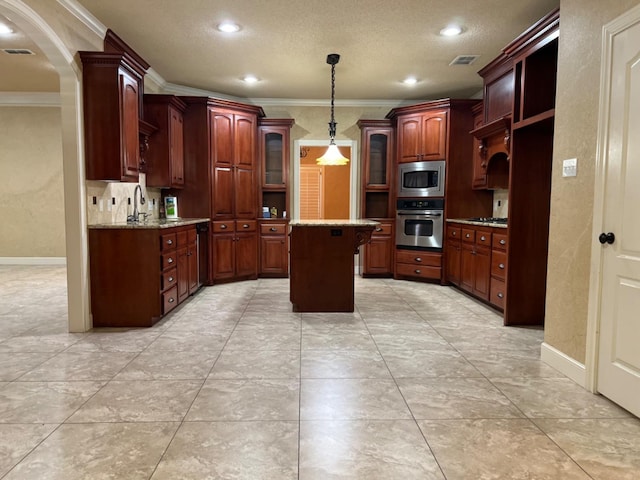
(421, 382)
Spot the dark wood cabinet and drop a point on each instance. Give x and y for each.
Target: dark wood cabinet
(274, 248)
(453, 254)
(422, 136)
(165, 157)
(479, 153)
(138, 275)
(418, 265)
(377, 255)
(475, 260)
(112, 90)
(234, 250)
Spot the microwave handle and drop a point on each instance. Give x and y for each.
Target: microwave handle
(427, 215)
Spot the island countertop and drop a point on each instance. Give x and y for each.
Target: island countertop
(151, 224)
(359, 222)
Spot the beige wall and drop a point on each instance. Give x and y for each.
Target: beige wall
(32, 213)
(570, 237)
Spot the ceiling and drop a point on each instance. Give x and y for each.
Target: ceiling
(285, 43)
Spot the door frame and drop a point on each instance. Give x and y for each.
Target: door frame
(610, 30)
(353, 172)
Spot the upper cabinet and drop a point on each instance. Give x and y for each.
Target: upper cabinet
(112, 103)
(165, 155)
(274, 155)
(422, 136)
(377, 168)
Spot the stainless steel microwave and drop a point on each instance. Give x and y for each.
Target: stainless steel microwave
(421, 179)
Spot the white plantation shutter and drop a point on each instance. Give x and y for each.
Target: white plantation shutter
(311, 192)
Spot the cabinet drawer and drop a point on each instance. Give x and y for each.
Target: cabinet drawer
(169, 278)
(272, 228)
(498, 293)
(169, 260)
(468, 235)
(170, 300)
(223, 226)
(192, 235)
(454, 233)
(419, 258)
(498, 264)
(245, 226)
(383, 230)
(421, 271)
(182, 238)
(168, 241)
(483, 238)
(500, 241)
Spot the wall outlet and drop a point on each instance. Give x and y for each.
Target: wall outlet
(570, 167)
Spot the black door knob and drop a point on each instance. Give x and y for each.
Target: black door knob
(607, 238)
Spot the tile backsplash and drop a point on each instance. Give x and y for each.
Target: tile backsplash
(114, 201)
(500, 203)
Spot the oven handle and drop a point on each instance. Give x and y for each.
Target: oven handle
(425, 215)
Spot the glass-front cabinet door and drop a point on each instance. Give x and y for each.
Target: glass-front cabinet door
(273, 159)
(377, 155)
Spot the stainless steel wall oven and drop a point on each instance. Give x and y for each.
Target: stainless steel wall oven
(420, 223)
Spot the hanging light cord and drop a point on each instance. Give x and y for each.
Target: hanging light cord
(333, 59)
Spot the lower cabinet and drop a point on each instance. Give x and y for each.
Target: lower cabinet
(498, 292)
(140, 273)
(274, 249)
(453, 254)
(475, 261)
(234, 250)
(418, 264)
(377, 255)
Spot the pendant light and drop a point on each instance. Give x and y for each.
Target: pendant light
(332, 156)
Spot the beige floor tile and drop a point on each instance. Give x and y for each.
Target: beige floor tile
(604, 448)
(17, 440)
(495, 364)
(343, 364)
(97, 451)
(169, 365)
(351, 399)
(246, 399)
(122, 340)
(136, 401)
(497, 449)
(188, 341)
(337, 339)
(266, 337)
(40, 343)
(257, 364)
(79, 366)
(13, 365)
(372, 450)
(232, 450)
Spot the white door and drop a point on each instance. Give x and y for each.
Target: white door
(619, 341)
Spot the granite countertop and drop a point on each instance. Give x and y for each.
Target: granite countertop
(360, 222)
(474, 222)
(152, 224)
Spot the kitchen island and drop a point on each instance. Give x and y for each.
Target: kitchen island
(322, 264)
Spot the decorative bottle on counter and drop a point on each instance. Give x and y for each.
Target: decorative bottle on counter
(274, 212)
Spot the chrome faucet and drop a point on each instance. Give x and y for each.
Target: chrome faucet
(135, 217)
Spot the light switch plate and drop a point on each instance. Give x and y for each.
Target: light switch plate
(570, 167)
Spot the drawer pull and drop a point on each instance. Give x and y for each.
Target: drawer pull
(503, 242)
(170, 279)
(170, 260)
(418, 259)
(273, 229)
(378, 229)
(169, 242)
(500, 295)
(245, 225)
(482, 238)
(418, 271)
(223, 227)
(468, 235)
(171, 300)
(454, 233)
(501, 266)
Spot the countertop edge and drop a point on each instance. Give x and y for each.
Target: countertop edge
(480, 224)
(153, 224)
(334, 223)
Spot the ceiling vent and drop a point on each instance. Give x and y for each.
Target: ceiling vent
(464, 60)
(18, 51)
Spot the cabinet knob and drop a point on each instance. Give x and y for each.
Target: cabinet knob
(170, 279)
(454, 233)
(170, 260)
(468, 235)
(169, 242)
(503, 242)
(171, 300)
(500, 295)
(418, 271)
(246, 225)
(418, 259)
(482, 238)
(273, 229)
(501, 266)
(223, 227)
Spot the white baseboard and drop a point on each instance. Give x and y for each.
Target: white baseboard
(33, 260)
(562, 362)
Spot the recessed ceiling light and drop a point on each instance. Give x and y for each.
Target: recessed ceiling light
(451, 31)
(5, 30)
(228, 27)
(410, 81)
(250, 79)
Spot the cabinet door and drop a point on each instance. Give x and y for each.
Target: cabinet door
(245, 195)
(479, 158)
(223, 191)
(377, 156)
(453, 259)
(223, 255)
(273, 154)
(409, 138)
(467, 267)
(221, 137)
(378, 256)
(273, 255)
(194, 261)
(176, 147)
(246, 255)
(130, 146)
(434, 136)
(482, 271)
(183, 274)
(244, 141)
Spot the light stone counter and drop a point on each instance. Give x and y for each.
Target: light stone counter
(334, 223)
(152, 224)
(474, 222)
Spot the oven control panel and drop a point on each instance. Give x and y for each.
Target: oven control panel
(420, 204)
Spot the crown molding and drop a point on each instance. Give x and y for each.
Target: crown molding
(86, 17)
(300, 102)
(29, 99)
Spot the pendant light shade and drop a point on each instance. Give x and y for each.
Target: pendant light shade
(332, 156)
